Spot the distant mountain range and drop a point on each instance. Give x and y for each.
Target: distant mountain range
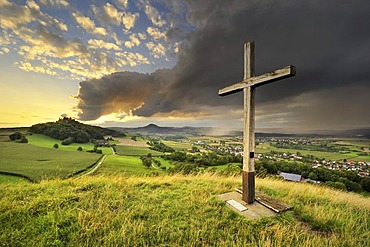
(153, 129)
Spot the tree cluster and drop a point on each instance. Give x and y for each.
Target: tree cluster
(204, 159)
(160, 147)
(187, 163)
(18, 137)
(69, 128)
(94, 150)
(68, 141)
(147, 160)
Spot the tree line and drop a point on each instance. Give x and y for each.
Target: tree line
(348, 180)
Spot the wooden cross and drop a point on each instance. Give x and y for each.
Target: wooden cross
(248, 86)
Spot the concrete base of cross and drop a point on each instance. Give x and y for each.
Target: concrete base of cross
(253, 211)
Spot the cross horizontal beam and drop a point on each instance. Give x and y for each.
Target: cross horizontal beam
(260, 80)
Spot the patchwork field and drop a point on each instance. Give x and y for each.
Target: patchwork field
(37, 163)
(135, 151)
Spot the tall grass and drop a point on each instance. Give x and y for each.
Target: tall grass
(174, 211)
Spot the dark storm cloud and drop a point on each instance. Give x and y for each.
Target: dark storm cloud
(328, 42)
(115, 93)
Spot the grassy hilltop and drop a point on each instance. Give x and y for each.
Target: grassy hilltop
(174, 211)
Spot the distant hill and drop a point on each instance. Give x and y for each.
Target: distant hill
(68, 127)
(153, 129)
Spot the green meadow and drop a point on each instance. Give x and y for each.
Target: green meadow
(39, 163)
(176, 210)
(164, 163)
(48, 142)
(124, 165)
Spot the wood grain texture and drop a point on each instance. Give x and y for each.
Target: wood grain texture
(260, 80)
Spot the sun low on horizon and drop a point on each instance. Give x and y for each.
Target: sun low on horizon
(128, 63)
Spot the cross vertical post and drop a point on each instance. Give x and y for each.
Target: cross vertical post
(248, 136)
(248, 85)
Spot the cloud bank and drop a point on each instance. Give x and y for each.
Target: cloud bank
(327, 41)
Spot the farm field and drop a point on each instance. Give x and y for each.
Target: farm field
(178, 146)
(135, 151)
(48, 142)
(127, 141)
(38, 163)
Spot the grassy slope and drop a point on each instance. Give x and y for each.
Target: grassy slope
(117, 164)
(48, 142)
(174, 211)
(37, 162)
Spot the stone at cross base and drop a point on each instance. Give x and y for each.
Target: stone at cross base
(248, 85)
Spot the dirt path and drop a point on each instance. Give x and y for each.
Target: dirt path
(95, 168)
(155, 167)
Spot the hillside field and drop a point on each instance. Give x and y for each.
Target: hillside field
(38, 163)
(123, 165)
(48, 142)
(174, 210)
